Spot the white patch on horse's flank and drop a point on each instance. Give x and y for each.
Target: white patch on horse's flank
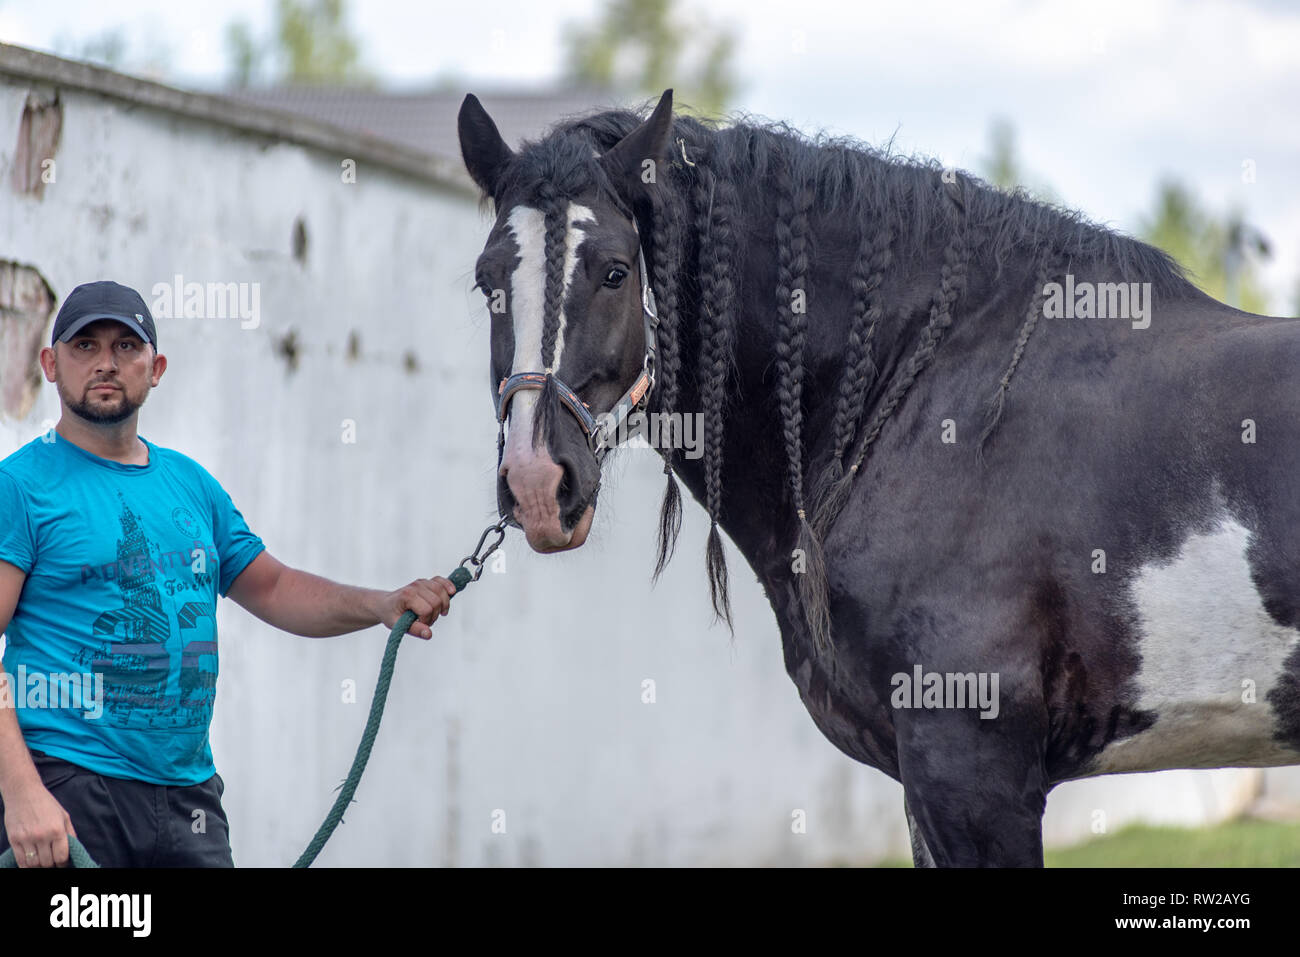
(1204, 630)
(528, 299)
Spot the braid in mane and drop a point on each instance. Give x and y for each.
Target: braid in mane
(665, 253)
(555, 214)
(1047, 267)
(716, 203)
(875, 253)
(792, 233)
(956, 256)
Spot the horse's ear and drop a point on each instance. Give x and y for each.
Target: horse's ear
(638, 160)
(484, 151)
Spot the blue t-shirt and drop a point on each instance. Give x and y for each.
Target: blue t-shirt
(112, 650)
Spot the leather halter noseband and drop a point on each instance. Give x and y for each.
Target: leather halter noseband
(636, 398)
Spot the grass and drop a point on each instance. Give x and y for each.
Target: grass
(1243, 842)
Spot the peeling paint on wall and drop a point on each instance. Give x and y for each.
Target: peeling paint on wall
(288, 348)
(38, 141)
(300, 241)
(26, 302)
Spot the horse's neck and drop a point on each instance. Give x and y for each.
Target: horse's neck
(758, 507)
(753, 489)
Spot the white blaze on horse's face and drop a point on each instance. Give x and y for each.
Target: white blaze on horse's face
(534, 478)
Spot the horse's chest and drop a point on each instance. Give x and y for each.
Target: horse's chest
(854, 720)
(1213, 663)
(854, 723)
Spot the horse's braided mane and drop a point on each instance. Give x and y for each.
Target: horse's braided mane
(716, 210)
(899, 208)
(874, 254)
(666, 260)
(555, 219)
(792, 229)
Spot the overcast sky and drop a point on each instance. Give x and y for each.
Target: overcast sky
(1107, 97)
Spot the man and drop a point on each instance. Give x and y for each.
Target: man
(112, 554)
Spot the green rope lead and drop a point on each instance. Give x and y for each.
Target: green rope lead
(461, 577)
(78, 856)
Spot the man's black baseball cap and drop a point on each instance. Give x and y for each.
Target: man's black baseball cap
(104, 300)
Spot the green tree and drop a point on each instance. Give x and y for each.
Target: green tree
(110, 48)
(310, 43)
(1001, 167)
(107, 47)
(241, 54)
(642, 47)
(1220, 255)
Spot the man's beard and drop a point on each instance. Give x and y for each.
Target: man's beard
(101, 414)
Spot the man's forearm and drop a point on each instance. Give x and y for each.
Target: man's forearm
(17, 772)
(315, 607)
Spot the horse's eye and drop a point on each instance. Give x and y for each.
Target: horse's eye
(614, 278)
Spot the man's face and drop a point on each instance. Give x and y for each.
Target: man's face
(104, 372)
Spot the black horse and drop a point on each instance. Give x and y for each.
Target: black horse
(1025, 502)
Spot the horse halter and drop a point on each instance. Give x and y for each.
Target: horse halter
(635, 399)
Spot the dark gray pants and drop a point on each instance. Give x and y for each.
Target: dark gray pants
(135, 824)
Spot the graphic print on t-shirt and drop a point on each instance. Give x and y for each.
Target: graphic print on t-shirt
(136, 643)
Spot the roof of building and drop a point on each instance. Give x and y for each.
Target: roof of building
(411, 132)
(426, 120)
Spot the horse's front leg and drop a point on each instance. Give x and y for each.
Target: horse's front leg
(974, 792)
(921, 856)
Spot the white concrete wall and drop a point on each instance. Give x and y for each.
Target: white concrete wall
(529, 700)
